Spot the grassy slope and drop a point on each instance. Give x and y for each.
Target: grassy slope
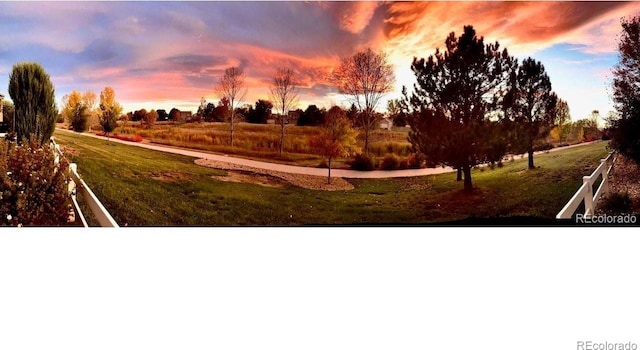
(121, 176)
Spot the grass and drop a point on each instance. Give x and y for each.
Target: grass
(146, 188)
(261, 141)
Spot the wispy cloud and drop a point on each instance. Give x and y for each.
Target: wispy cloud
(162, 52)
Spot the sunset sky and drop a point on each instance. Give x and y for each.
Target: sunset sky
(170, 54)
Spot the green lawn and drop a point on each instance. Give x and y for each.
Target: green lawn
(141, 187)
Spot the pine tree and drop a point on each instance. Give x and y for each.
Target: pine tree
(33, 96)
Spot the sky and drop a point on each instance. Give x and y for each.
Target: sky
(160, 55)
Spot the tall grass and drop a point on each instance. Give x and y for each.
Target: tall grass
(260, 140)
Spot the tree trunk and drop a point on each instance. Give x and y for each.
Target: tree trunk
(459, 176)
(231, 130)
(531, 166)
(281, 137)
(366, 140)
(468, 186)
(329, 177)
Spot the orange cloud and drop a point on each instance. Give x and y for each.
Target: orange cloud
(353, 16)
(416, 29)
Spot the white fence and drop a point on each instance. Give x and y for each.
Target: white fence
(586, 193)
(78, 185)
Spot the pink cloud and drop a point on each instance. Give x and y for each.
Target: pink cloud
(416, 29)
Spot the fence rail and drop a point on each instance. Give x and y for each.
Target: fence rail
(77, 185)
(586, 194)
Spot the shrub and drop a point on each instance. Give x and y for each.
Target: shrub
(363, 162)
(542, 147)
(33, 189)
(390, 162)
(415, 161)
(79, 119)
(617, 203)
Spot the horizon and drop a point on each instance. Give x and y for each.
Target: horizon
(164, 55)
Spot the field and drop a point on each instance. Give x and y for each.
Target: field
(146, 188)
(260, 141)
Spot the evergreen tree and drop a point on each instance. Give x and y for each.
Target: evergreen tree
(455, 95)
(625, 137)
(33, 97)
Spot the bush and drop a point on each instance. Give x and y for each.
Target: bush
(415, 161)
(542, 147)
(617, 203)
(363, 162)
(390, 162)
(79, 119)
(33, 190)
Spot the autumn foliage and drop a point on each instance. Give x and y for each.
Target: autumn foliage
(33, 189)
(336, 138)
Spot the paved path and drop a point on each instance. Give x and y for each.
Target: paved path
(350, 174)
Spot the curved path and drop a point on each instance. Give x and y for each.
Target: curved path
(351, 174)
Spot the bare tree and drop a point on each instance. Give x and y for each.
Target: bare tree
(366, 76)
(284, 94)
(232, 87)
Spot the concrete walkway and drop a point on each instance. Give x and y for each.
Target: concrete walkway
(345, 173)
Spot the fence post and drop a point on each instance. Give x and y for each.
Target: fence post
(605, 175)
(588, 197)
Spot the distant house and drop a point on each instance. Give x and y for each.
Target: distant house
(185, 115)
(293, 116)
(386, 123)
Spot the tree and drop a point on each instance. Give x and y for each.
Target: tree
(453, 100)
(591, 132)
(531, 104)
(284, 94)
(150, 119)
(89, 99)
(261, 113)
(366, 77)
(110, 110)
(125, 119)
(396, 112)
(7, 112)
(139, 115)
(202, 107)
(33, 97)
(562, 120)
(625, 137)
(162, 115)
(312, 116)
(174, 114)
(75, 110)
(352, 113)
(221, 111)
(336, 138)
(232, 87)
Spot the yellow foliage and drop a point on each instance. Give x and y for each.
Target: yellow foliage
(337, 138)
(555, 134)
(70, 103)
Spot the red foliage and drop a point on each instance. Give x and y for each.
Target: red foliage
(131, 138)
